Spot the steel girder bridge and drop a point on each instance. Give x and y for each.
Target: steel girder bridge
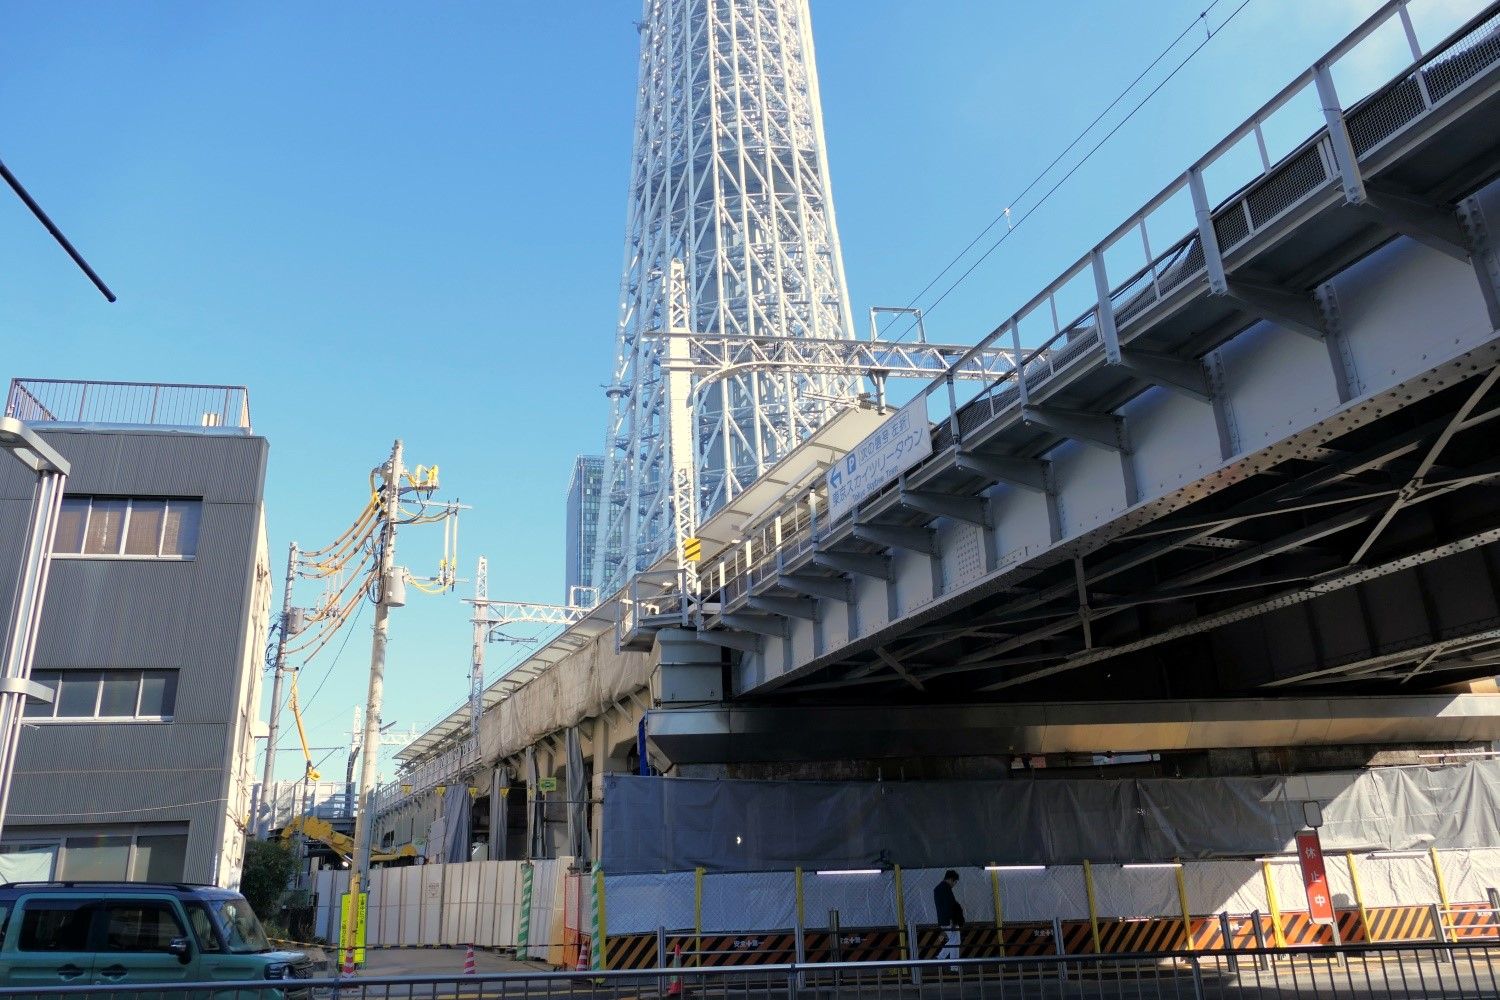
(1265, 459)
(1259, 463)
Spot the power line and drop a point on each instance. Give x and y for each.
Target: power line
(329, 672)
(120, 812)
(1005, 213)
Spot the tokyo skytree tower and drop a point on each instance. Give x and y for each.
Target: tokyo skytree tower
(735, 329)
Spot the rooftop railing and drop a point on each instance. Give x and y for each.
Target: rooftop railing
(129, 404)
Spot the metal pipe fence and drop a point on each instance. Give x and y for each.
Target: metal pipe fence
(1405, 972)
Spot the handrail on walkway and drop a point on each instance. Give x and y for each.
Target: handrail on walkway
(1404, 971)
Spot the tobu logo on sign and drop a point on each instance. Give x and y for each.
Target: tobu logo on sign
(1314, 877)
(895, 446)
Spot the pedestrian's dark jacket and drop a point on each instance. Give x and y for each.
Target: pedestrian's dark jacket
(949, 913)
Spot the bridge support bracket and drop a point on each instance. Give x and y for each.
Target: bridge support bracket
(742, 641)
(971, 509)
(1430, 224)
(1101, 429)
(833, 588)
(756, 624)
(1026, 473)
(862, 563)
(1176, 374)
(898, 537)
(1279, 305)
(787, 607)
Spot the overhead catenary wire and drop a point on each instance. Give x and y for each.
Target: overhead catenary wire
(327, 673)
(1200, 19)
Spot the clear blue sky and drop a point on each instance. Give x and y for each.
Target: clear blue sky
(406, 219)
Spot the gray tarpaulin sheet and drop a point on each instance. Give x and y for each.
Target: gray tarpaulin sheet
(536, 816)
(456, 808)
(578, 799)
(499, 818)
(677, 824)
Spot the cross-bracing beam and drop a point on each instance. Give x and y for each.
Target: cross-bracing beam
(1057, 606)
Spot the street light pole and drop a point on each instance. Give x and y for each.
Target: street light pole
(31, 588)
(364, 818)
(267, 781)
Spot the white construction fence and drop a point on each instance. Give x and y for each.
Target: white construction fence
(512, 905)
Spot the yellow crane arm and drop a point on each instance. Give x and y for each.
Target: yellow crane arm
(312, 773)
(316, 828)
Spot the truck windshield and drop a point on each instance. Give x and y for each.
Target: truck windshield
(242, 929)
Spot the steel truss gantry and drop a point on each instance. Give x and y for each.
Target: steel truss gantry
(733, 278)
(492, 615)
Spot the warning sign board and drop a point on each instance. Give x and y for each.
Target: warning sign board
(692, 549)
(546, 784)
(352, 932)
(1314, 877)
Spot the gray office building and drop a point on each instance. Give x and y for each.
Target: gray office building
(583, 524)
(152, 635)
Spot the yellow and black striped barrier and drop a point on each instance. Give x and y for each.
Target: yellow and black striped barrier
(1133, 936)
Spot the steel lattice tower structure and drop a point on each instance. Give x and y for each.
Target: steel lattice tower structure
(734, 324)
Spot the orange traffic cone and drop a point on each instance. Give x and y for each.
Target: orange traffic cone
(469, 968)
(674, 989)
(348, 969)
(582, 965)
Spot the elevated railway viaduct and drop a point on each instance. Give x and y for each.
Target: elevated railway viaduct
(1246, 499)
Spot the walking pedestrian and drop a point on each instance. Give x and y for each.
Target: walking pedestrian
(950, 916)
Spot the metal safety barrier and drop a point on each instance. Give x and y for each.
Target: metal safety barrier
(1405, 972)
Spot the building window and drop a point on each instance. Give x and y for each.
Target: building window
(158, 857)
(128, 527)
(146, 853)
(106, 695)
(96, 858)
(28, 862)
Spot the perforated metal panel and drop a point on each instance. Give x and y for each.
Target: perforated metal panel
(963, 559)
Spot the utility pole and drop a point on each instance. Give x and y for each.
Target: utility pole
(364, 819)
(267, 785)
(481, 637)
(356, 740)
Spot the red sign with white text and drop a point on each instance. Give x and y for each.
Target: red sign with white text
(1315, 877)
